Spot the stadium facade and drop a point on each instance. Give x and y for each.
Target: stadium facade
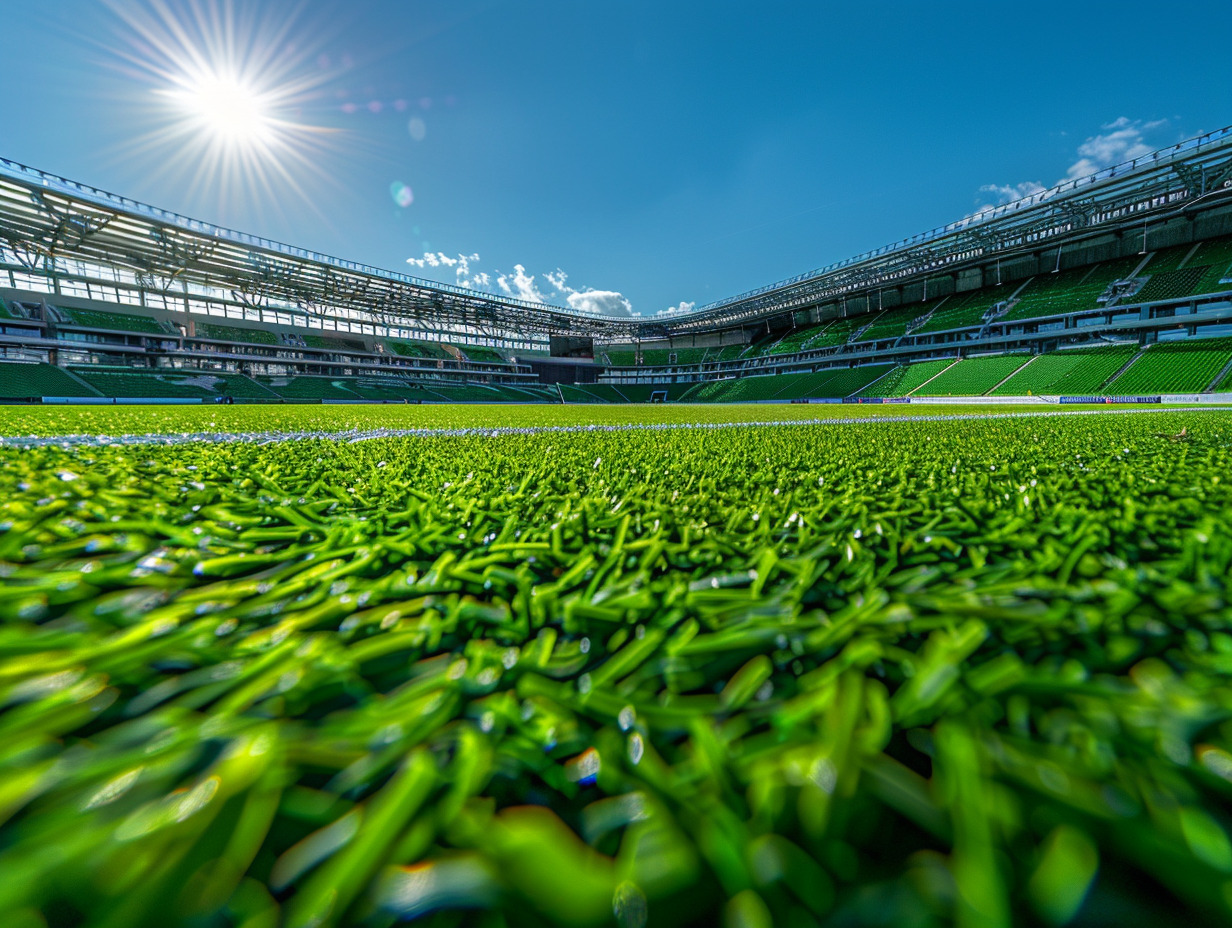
(1116, 283)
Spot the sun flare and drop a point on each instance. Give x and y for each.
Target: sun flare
(228, 109)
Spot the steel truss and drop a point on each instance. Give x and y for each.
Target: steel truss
(1197, 171)
(44, 217)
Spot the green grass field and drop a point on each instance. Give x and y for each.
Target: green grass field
(928, 673)
(114, 421)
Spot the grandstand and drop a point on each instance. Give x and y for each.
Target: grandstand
(1099, 285)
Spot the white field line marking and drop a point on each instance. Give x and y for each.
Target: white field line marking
(357, 435)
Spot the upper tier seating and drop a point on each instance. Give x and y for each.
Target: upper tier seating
(973, 376)
(726, 353)
(334, 342)
(835, 333)
(625, 356)
(414, 349)
(1217, 255)
(893, 323)
(483, 354)
(230, 333)
(114, 322)
(1073, 372)
(963, 310)
(1171, 285)
(906, 377)
(1068, 291)
(1174, 367)
(22, 381)
(795, 340)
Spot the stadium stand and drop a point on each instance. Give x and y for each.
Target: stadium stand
(893, 323)
(726, 353)
(962, 310)
(1174, 367)
(642, 392)
(1217, 255)
(795, 340)
(973, 376)
(230, 333)
(411, 349)
(1074, 372)
(836, 333)
(110, 321)
(483, 354)
(1167, 259)
(309, 388)
(334, 342)
(1068, 291)
(606, 392)
(831, 384)
(572, 394)
(835, 383)
(240, 387)
(23, 381)
(621, 357)
(906, 377)
(131, 384)
(1171, 285)
(474, 393)
(740, 390)
(5, 312)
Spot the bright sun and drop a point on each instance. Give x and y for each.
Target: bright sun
(231, 111)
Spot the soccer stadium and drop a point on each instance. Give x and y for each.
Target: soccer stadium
(894, 593)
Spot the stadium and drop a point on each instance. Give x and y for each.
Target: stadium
(894, 593)
(1117, 284)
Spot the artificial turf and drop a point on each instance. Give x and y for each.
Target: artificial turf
(961, 672)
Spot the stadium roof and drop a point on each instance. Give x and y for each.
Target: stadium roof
(1152, 186)
(43, 216)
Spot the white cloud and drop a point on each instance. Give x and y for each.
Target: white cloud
(1008, 193)
(520, 285)
(524, 286)
(600, 302)
(1122, 140)
(678, 309)
(461, 267)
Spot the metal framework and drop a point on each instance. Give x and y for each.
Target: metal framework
(44, 217)
(46, 220)
(1150, 187)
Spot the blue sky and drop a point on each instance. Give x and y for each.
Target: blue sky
(652, 153)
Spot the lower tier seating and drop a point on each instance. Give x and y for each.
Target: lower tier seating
(905, 378)
(1174, 367)
(973, 376)
(23, 381)
(127, 384)
(1076, 372)
(309, 388)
